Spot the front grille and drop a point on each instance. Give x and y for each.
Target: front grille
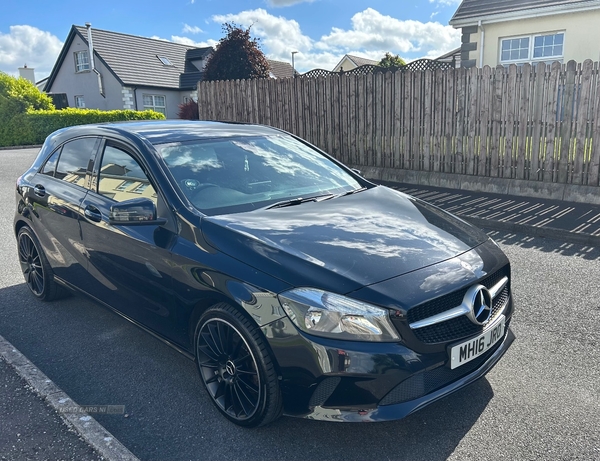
(459, 327)
(447, 302)
(431, 380)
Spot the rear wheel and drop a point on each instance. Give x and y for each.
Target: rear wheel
(236, 367)
(36, 269)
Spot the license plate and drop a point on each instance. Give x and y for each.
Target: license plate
(473, 348)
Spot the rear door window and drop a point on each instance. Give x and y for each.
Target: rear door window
(70, 163)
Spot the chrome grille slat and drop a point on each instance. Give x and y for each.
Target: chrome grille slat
(458, 310)
(455, 325)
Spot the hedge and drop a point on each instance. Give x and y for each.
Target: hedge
(33, 126)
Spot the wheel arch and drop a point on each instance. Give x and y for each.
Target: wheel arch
(20, 224)
(201, 307)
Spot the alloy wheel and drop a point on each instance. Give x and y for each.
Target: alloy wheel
(31, 264)
(229, 369)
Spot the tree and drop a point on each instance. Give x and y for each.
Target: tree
(391, 61)
(237, 56)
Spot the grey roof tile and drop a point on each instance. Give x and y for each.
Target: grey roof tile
(281, 69)
(135, 60)
(361, 61)
(477, 8)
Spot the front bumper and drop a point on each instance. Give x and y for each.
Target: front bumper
(401, 410)
(361, 381)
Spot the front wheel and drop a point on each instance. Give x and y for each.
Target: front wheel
(236, 367)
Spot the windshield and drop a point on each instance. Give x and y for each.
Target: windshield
(237, 174)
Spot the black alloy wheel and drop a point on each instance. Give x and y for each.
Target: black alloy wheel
(36, 269)
(236, 368)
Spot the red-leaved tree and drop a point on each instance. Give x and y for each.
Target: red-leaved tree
(237, 56)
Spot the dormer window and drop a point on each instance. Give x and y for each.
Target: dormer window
(165, 60)
(82, 61)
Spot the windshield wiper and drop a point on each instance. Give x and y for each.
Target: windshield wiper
(343, 194)
(298, 201)
(350, 192)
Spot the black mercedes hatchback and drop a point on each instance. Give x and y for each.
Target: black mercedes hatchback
(296, 285)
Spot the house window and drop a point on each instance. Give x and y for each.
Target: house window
(165, 60)
(141, 188)
(155, 102)
(548, 46)
(82, 61)
(79, 102)
(125, 185)
(532, 48)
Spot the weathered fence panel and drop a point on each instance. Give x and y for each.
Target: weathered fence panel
(539, 123)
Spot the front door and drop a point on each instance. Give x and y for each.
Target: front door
(129, 264)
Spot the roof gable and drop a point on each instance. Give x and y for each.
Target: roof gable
(280, 69)
(470, 11)
(135, 60)
(356, 60)
(359, 61)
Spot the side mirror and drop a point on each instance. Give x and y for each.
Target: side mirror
(134, 212)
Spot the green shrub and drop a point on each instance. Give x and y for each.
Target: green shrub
(27, 115)
(33, 126)
(44, 122)
(17, 96)
(13, 126)
(24, 94)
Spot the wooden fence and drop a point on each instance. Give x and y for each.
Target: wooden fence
(532, 122)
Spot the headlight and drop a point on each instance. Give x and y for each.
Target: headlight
(334, 316)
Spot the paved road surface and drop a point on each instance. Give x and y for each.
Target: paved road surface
(542, 400)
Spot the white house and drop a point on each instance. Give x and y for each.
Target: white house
(503, 32)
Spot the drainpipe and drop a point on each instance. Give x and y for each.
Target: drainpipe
(482, 42)
(88, 25)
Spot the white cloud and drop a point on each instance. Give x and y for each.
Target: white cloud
(371, 36)
(373, 31)
(187, 29)
(187, 41)
(28, 45)
(278, 36)
(446, 2)
(277, 3)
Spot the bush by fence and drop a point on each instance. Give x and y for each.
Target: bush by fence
(33, 126)
(539, 123)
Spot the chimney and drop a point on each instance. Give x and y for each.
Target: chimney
(27, 73)
(88, 25)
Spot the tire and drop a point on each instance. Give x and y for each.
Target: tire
(36, 268)
(236, 367)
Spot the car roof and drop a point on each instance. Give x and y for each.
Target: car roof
(165, 131)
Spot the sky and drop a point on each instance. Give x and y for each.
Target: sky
(32, 32)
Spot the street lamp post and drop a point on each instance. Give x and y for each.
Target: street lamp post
(293, 66)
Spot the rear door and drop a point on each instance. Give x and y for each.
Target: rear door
(130, 264)
(59, 189)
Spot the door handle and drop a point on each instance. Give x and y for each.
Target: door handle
(39, 190)
(92, 213)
